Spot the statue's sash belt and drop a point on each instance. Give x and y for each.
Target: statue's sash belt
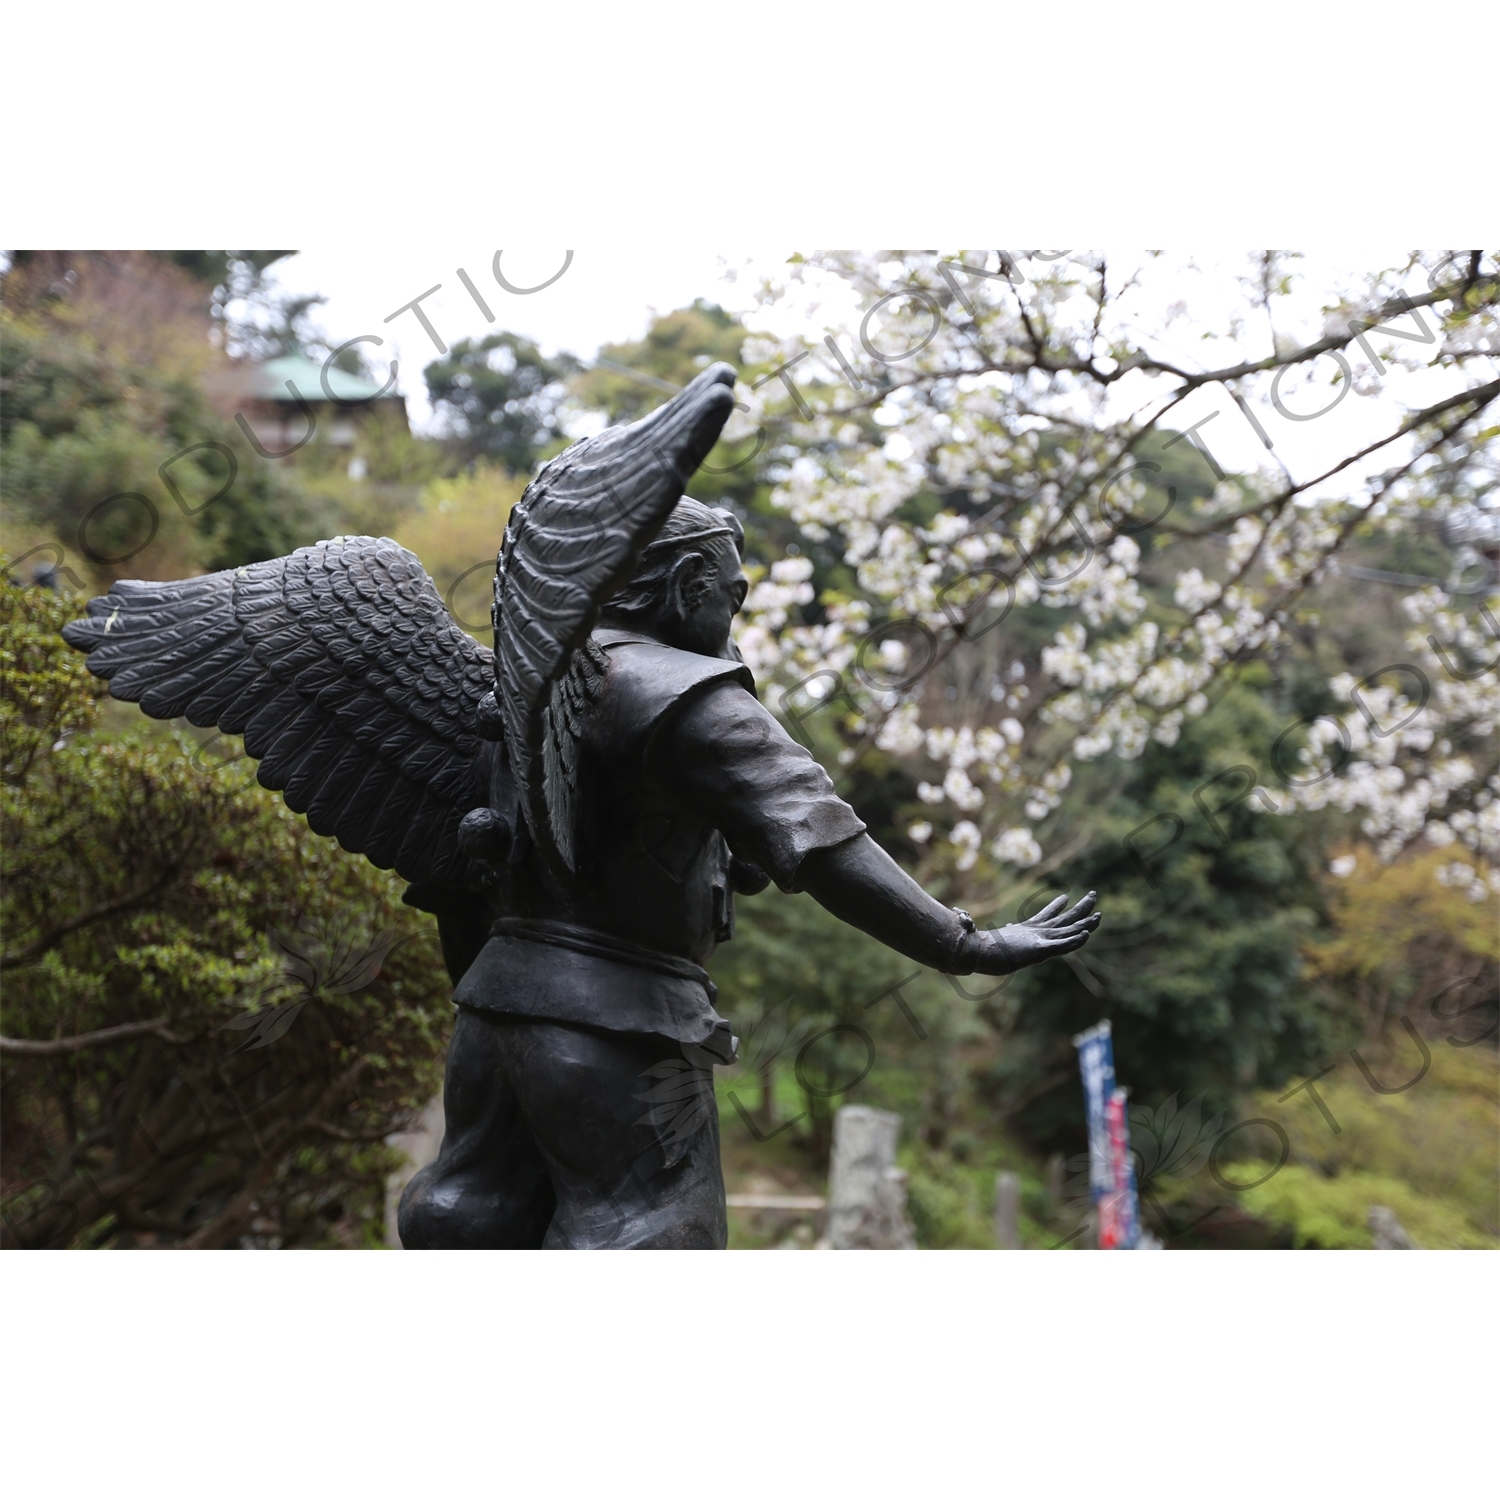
(560, 971)
(603, 945)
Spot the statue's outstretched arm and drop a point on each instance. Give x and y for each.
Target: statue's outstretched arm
(861, 884)
(740, 771)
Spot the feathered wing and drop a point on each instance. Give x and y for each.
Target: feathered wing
(575, 537)
(344, 672)
(570, 699)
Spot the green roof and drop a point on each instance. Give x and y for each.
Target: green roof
(268, 381)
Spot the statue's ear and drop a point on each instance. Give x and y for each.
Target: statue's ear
(688, 582)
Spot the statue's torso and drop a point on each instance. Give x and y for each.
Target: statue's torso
(649, 869)
(651, 874)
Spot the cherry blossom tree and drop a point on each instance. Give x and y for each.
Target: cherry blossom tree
(966, 433)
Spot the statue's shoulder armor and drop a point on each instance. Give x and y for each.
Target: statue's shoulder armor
(646, 679)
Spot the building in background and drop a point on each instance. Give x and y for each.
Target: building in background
(291, 400)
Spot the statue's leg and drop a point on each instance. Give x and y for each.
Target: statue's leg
(489, 1188)
(631, 1172)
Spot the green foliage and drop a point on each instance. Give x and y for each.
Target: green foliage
(501, 397)
(47, 693)
(219, 270)
(455, 528)
(1430, 1152)
(288, 1012)
(1198, 963)
(816, 1005)
(380, 498)
(1203, 975)
(105, 366)
(675, 349)
(793, 972)
(1433, 1150)
(945, 1213)
(1401, 935)
(1333, 1214)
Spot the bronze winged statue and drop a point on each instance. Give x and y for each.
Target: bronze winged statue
(578, 809)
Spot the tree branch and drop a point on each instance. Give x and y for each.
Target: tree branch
(58, 1046)
(34, 950)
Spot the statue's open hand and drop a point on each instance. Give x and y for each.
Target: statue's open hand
(1050, 932)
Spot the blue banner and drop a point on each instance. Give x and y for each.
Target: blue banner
(1117, 1212)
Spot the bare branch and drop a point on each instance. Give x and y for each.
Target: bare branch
(58, 1046)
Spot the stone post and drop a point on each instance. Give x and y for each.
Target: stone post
(1055, 1183)
(421, 1145)
(1008, 1211)
(866, 1190)
(1388, 1232)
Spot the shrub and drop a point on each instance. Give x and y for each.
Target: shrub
(213, 1017)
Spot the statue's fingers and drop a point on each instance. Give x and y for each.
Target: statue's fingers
(1047, 913)
(1079, 912)
(1069, 944)
(1067, 934)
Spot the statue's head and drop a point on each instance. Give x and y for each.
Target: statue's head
(689, 584)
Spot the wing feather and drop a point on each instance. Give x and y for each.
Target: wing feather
(167, 700)
(315, 762)
(242, 709)
(269, 720)
(574, 538)
(208, 705)
(389, 821)
(344, 672)
(339, 784)
(290, 746)
(373, 790)
(425, 819)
